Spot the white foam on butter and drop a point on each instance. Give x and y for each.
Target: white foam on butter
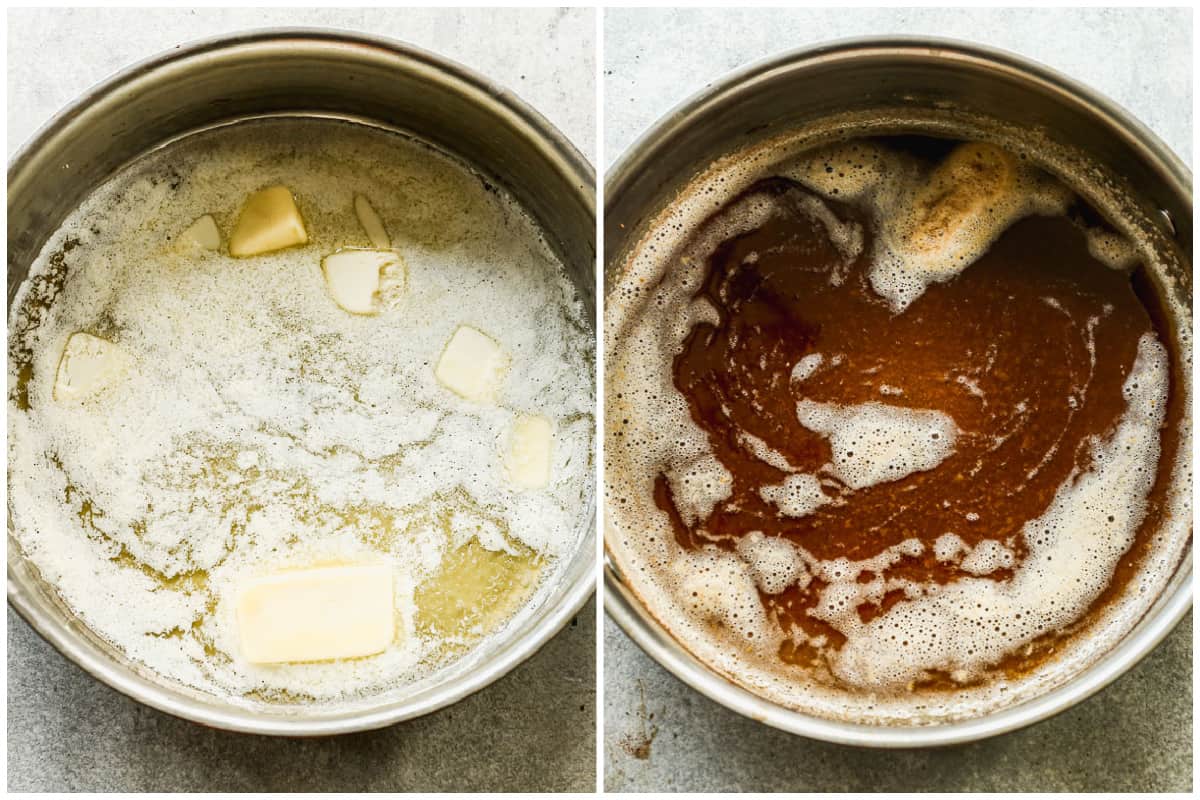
(846, 591)
(764, 452)
(930, 223)
(720, 588)
(698, 485)
(775, 563)
(845, 236)
(846, 570)
(796, 496)
(1110, 248)
(265, 428)
(648, 312)
(807, 366)
(661, 435)
(949, 547)
(1072, 551)
(874, 443)
(987, 557)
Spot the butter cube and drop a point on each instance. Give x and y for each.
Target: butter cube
(472, 365)
(354, 277)
(527, 459)
(269, 221)
(371, 223)
(201, 235)
(317, 614)
(88, 365)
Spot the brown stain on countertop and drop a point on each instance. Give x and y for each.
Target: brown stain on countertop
(637, 743)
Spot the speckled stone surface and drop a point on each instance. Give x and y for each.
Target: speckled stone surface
(656, 58)
(546, 56)
(1134, 736)
(533, 730)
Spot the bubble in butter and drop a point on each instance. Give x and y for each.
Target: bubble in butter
(317, 614)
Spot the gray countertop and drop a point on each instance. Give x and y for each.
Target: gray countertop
(656, 58)
(1135, 735)
(547, 56)
(533, 729)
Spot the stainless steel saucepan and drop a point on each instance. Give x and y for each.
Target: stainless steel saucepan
(942, 86)
(300, 73)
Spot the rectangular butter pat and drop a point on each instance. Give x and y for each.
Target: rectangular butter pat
(472, 365)
(317, 614)
(88, 365)
(527, 460)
